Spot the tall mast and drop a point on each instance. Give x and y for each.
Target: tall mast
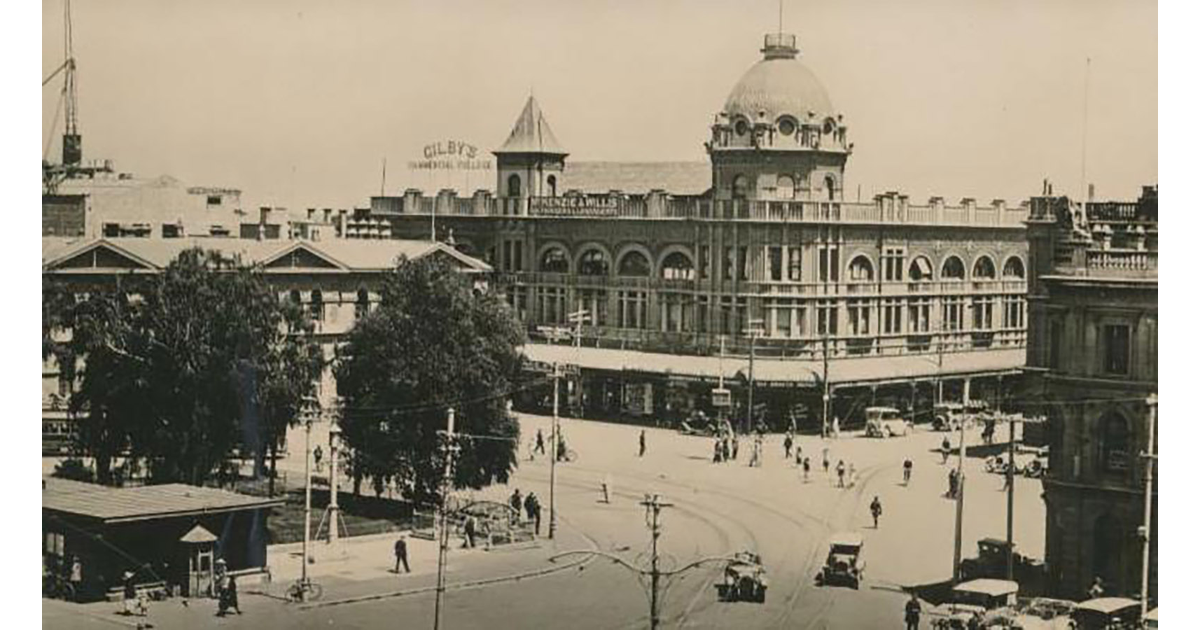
(72, 142)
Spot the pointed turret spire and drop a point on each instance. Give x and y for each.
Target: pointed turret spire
(531, 133)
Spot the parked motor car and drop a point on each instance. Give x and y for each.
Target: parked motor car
(885, 422)
(983, 603)
(1107, 613)
(844, 564)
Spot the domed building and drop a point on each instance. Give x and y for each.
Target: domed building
(778, 136)
(881, 301)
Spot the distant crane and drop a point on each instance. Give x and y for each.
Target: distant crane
(72, 141)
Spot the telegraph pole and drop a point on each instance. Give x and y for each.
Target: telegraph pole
(825, 386)
(1147, 525)
(755, 328)
(443, 533)
(1012, 447)
(653, 506)
(958, 508)
(554, 457)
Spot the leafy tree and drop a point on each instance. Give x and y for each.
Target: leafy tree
(433, 343)
(173, 372)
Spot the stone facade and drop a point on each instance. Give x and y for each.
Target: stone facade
(1093, 355)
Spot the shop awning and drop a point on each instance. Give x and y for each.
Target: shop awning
(139, 503)
(842, 371)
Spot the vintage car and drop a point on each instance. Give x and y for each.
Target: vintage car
(885, 422)
(984, 603)
(1107, 613)
(1046, 608)
(1151, 620)
(844, 564)
(950, 416)
(744, 579)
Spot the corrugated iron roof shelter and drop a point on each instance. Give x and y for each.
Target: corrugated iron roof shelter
(139, 503)
(168, 534)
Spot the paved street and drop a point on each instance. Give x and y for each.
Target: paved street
(718, 509)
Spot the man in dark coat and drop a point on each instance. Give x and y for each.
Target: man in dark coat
(912, 613)
(401, 551)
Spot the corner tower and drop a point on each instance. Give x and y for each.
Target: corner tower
(530, 163)
(778, 136)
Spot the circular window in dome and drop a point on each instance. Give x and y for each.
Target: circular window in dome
(829, 125)
(787, 126)
(740, 127)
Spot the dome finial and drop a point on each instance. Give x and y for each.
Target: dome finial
(779, 46)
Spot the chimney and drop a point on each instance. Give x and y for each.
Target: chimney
(1091, 192)
(311, 212)
(341, 223)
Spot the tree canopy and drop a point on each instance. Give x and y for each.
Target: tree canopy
(186, 368)
(433, 343)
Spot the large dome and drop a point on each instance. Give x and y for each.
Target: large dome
(778, 85)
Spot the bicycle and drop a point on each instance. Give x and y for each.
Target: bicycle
(304, 590)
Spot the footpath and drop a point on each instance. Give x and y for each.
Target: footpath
(362, 571)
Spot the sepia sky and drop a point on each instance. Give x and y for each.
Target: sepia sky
(297, 101)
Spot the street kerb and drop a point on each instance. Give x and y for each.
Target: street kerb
(474, 583)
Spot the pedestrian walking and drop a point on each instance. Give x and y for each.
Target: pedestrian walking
(945, 449)
(469, 528)
(537, 516)
(401, 551)
(717, 451)
(841, 473)
(515, 502)
(912, 613)
(642, 443)
(953, 493)
(540, 447)
(876, 510)
(1008, 478)
(735, 447)
(229, 596)
(837, 430)
(799, 454)
(908, 468)
(852, 476)
(317, 455)
(806, 467)
(605, 484)
(825, 460)
(787, 446)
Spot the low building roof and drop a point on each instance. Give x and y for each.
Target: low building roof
(846, 371)
(141, 503)
(154, 254)
(988, 586)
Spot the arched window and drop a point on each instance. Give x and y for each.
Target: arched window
(831, 187)
(514, 185)
(920, 270)
(984, 269)
(741, 127)
(593, 263)
(741, 187)
(552, 183)
(861, 269)
(633, 263)
(1114, 442)
(554, 260)
(677, 266)
(785, 187)
(953, 269)
(1014, 268)
(362, 304)
(316, 306)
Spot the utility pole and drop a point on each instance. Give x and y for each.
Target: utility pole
(755, 328)
(443, 533)
(554, 457)
(1009, 475)
(825, 393)
(579, 318)
(958, 508)
(1151, 459)
(653, 506)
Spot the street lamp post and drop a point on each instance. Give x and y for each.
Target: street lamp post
(310, 407)
(1146, 528)
(554, 437)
